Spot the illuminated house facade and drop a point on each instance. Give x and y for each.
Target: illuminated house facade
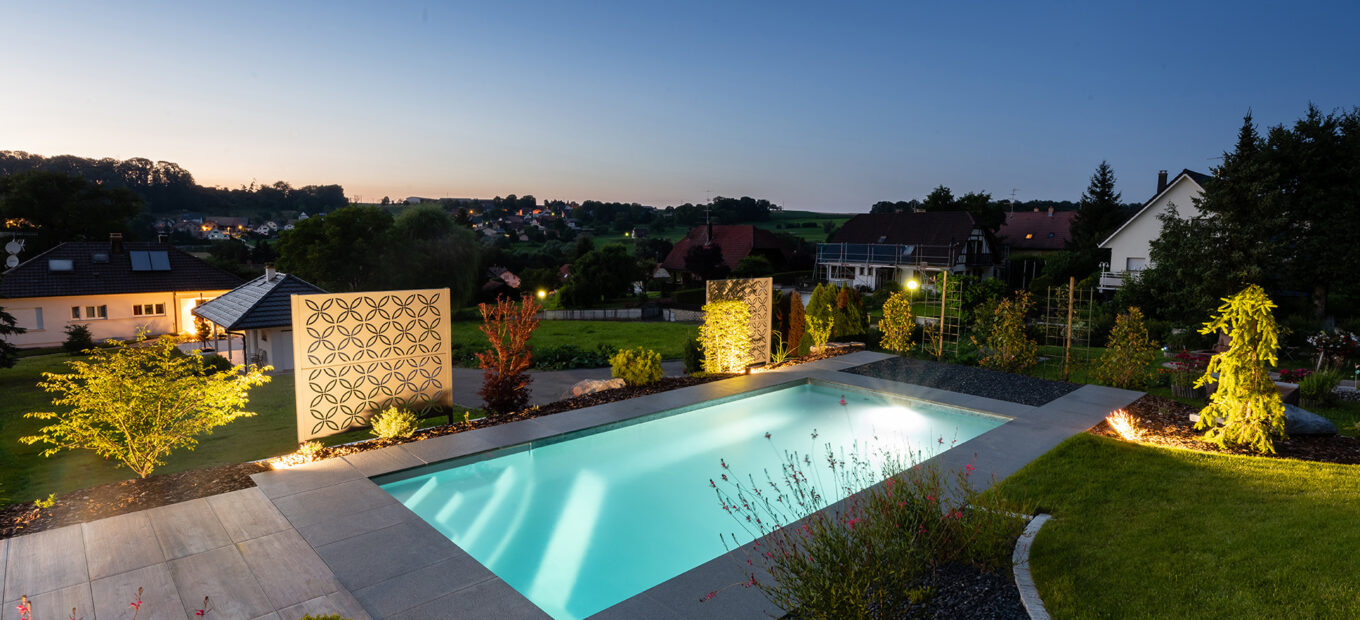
(1129, 245)
(113, 288)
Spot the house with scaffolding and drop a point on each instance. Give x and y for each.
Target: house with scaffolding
(876, 250)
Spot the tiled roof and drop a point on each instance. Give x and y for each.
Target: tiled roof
(933, 228)
(1030, 230)
(35, 277)
(258, 303)
(736, 240)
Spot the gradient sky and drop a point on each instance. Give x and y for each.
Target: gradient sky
(813, 106)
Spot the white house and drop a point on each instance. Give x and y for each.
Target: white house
(1129, 244)
(260, 311)
(113, 288)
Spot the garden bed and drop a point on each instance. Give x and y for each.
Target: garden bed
(1165, 422)
(983, 382)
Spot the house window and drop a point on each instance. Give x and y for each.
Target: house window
(37, 318)
(1135, 264)
(91, 312)
(75, 313)
(147, 309)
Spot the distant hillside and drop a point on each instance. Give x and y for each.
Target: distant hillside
(166, 188)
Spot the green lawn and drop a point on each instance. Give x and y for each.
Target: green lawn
(26, 475)
(1156, 532)
(668, 339)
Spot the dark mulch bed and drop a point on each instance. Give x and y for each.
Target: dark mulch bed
(1166, 422)
(116, 498)
(958, 591)
(967, 380)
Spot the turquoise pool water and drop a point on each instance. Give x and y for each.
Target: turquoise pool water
(582, 524)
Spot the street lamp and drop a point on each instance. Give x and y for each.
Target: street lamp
(542, 293)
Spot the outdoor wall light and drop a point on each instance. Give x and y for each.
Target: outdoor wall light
(542, 293)
(913, 284)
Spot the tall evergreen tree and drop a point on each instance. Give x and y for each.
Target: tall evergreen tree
(1098, 212)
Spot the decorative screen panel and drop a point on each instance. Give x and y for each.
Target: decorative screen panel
(758, 293)
(359, 353)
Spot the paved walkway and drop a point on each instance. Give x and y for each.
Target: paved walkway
(548, 385)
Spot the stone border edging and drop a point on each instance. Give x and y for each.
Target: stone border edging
(1024, 581)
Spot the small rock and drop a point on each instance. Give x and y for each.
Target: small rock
(1299, 421)
(590, 386)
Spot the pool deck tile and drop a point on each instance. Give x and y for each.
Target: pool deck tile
(422, 585)
(287, 568)
(58, 603)
(446, 447)
(187, 528)
(247, 514)
(222, 575)
(378, 462)
(160, 598)
(682, 594)
(340, 603)
(4, 548)
(305, 477)
(120, 544)
(373, 557)
(492, 598)
(44, 562)
(340, 527)
(640, 607)
(347, 498)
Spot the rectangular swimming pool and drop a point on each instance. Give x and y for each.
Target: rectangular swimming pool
(579, 525)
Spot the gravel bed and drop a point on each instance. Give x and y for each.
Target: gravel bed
(967, 380)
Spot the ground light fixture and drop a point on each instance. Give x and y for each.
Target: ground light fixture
(912, 284)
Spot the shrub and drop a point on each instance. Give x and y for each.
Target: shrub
(726, 336)
(1319, 388)
(112, 398)
(394, 423)
(508, 326)
(848, 313)
(570, 356)
(862, 556)
(637, 366)
(1294, 375)
(78, 339)
(1127, 360)
(693, 356)
(1004, 343)
(1187, 368)
(1246, 409)
(819, 330)
(797, 323)
(213, 363)
(897, 323)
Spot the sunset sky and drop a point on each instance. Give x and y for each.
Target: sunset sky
(822, 106)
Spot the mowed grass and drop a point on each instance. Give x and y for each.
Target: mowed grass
(1154, 532)
(668, 339)
(26, 475)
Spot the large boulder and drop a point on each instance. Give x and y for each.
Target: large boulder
(1299, 421)
(590, 386)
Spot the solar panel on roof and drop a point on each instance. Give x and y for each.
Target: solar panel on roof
(160, 260)
(140, 261)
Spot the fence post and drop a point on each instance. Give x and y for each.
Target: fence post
(1067, 345)
(944, 292)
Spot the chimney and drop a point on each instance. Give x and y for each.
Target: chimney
(1050, 211)
(115, 243)
(1161, 181)
(269, 272)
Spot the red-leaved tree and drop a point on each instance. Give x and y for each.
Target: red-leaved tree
(508, 326)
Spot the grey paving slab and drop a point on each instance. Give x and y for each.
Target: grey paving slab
(640, 607)
(287, 568)
(340, 527)
(119, 544)
(346, 498)
(222, 575)
(447, 447)
(58, 603)
(160, 599)
(422, 585)
(187, 528)
(382, 461)
(4, 548)
(513, 433)
(683, 593)
(492, 598)
(247, 514)
(269, 616)
(366, 559)
(45, 561)
(305, 477)
(339, 603)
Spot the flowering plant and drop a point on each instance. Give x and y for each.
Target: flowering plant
(1186, 367)
(1334, 348)
(865, 555)
(1294, 375)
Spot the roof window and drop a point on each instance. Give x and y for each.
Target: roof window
(60, 264)
(158, 260)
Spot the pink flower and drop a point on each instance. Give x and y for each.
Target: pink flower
(941, 441)
(767, 435)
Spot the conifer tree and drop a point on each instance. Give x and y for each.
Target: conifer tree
(1098, 212)
(1246, 409)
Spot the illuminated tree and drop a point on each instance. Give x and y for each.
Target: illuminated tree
(508, 326)
(726, 336)
(138, 404)
(1003, 339)
(1246, 409)
(1127, 360)
(897, 323)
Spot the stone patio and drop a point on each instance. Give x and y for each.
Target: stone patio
(324, 538)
